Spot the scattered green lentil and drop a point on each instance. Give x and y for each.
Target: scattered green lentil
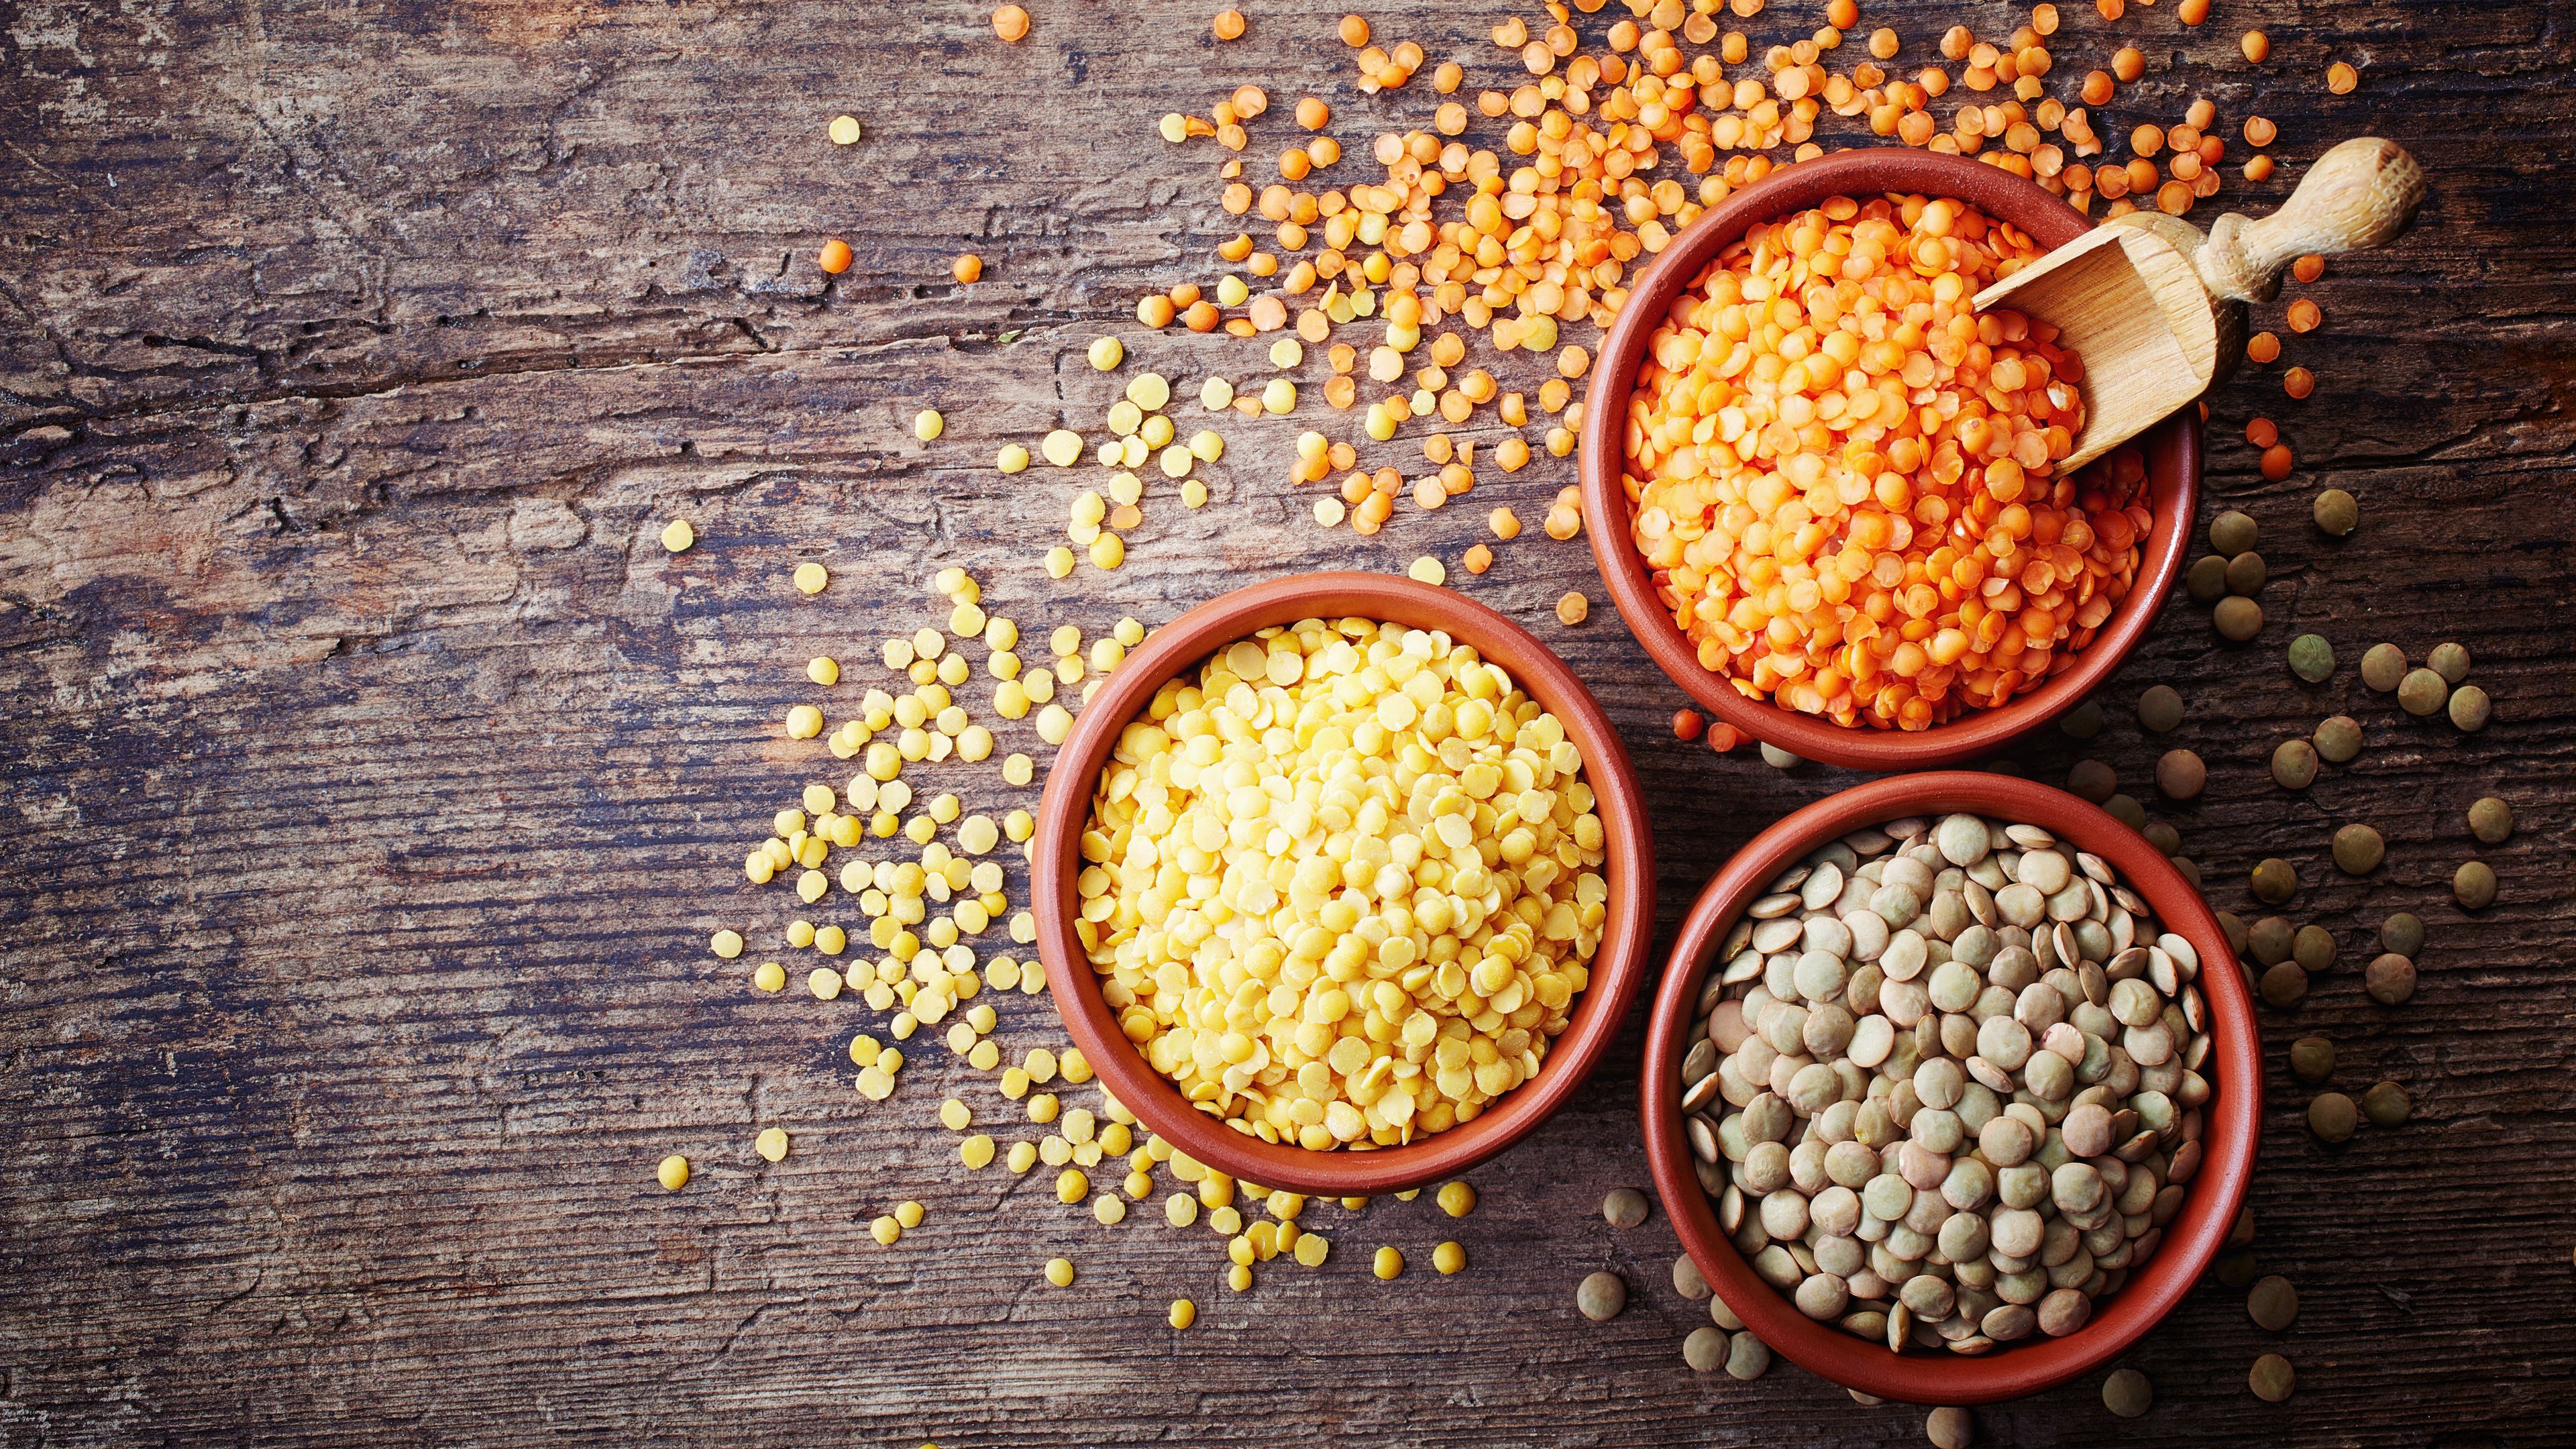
(2312, 1059)
(2181, 775)
(2166, 839)
(2091, 780)
(2382, 666)
(2206, 580)
(2271, 1379)
(2470, 708)
(2274, 1304)
(1688, 1281)
(1747, 1357)
(2127, 1393)
(2332, 1117)
(1624, 1207)
(2421, 692)
(2160, 708)
(2082, 722)
(2314, 949)
(1949, 1428)
(2284, 986)
(1723, 1316)
(2337, 513)
(2237, 618)
(2449, 661)
(1704, 1349)
(1600, 1296)
(2294, 764)
(2126, 810)
(2312, 658)
(2271, 940)
(2402, 933)
(2274, 881)
(2474, 885)
(2338, 738)
(2246, 574)
(2491, 821)
(2232, 532)
(2387, 1105)
(2358, 850)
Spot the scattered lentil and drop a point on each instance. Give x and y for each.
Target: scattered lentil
(1010, 22)
(1600, 1296)
(2274, 881)
(2491, 821)
(1949, 1428)
(678, 536)
(2422, 692)
(2160, 709)
(2312, 1059)
(1747, 1357)
(1183, 1313)
(1573, 609)
(2469, 708)
(2383, 667)
(2358, 849)
(2238, 618)
(2473, 885)
(771, 1144)
(2403, 933)
(2246, 574)
(2274, 1304)
(2283, 986)
(2206, 579)
(2390, 979)
(1704, 1349)
(2332, 1117)
(2449, 661)
(2312, 658)
(2232, 532)
(2338, 738)
(834, 257)
(673, 1172)
(1457, 1199)
(2271, 1378)
(1624, 1207)
(2181, 775)
(2387, 1105)
(2082, 722)
(1388, 1264)
(2126, 1392)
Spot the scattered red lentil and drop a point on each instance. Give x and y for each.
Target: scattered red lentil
(1355, 31)
(1724, 737)
(1229, 25)
(834, 257)
(1573, 609)
(2262, 347)
(1687, 724)
(2192, 12)
(2298, 382)
(2256, 45)
(1479, 558)
(2304, 315)
(1011, 22)
(2261, 432)
(2259, 131)
(2128, 63)
(967, 268)
(2341, 78)
(2258, 168)
(2276, 462)
(2308, 268)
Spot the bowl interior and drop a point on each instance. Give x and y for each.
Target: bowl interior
(1618, 966)
(2231, 1120)
(2172, 451)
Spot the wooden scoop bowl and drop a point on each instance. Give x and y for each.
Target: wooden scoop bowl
(2156, 311)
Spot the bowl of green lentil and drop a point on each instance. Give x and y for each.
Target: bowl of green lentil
(1483, 1033)
(2221, 1134)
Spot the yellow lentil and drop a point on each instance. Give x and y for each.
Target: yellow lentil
(1059, 1271)
(771, 1144)
(810, 579)
(673, 1172)
(1108, 1211)
(955, 1115)
(976, 1151)
(845, 130)
(824, 982)
(727, 944)
(1428, 570)
(908, 1213)
(1023, 1156)
(1388, 1264)
(1184, 1313)
(927, 425)
(1448, 1258)
(886, 1231)
(1312, 1248)
(678, 536)
(1071, 1185)
(1106, 353)
(1239, 1277)
(1458, 1199)
(1180, 1210)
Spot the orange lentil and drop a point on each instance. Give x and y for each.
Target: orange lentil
(2147, 140)
(2192, 12)
(1155, 310)
(1011, 22)
(2111, 9)
(1202, 316)
(1831, 543)
(2258, 168)
(967, 268)
(2097, 87)
(1505, 524)
(1355, 31)
(1723, 738)
(834, 257)
(1842, 14)
(2259, 131)
(2341, 78)
(2174, 198)
(1687, 724)
(2260, 432)
(2308, 268)
(2304, 316)
(1229, 25)
(2298, 382)
(2256, 45)
(2262, 347)
(1478, 558)
(2276, 462)
(1313, 114)
(2043, 18)
(1573, 609)
(2128, 63)
(2200, 113)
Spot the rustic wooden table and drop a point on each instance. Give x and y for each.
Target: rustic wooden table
(377, 778)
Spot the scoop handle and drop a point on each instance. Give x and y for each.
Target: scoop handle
(2360, 194)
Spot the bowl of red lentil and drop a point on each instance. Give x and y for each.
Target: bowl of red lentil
(1874, 564)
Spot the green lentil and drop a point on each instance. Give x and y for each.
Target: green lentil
(2469, 708)
(2126, 810)
(2271, 1378)
(2237, 618)
(1779, 759)
(2206, 579)
(2284, 986)
(2274, 1304)
(2181, 775)
(2314, 949)
(2491, 821)
(2166, 839)
(1747, 1358)
(2082, 722)
(1600, 1296)
(2402, 933)
(1688, 1280)
(2358, 850)
(2474, 885)
(2389, 978)
(2387, 1105)
(2332, 1117)
(2312, 1059)
(2337, 512)
(1723, 1316)
(2246, 573)
(1704, 1350)
(2338, 738)
(2271, 940)
(2128, 1394)
(2312, 658)
(2160, 708)
(2232, 926)
(2421, 692)
(2382, 666)
(1624, 1207)
(2274, 881)
(2232, 532)
(2294, 764)
(2449, 661)
(2091, 780)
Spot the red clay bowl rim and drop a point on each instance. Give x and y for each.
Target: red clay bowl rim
(1618, 966)
(2173, 466)
(2231, 1129)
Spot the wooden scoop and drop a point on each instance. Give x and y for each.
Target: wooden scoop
(2156, 311)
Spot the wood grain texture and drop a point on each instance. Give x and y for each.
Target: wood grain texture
(377, 779)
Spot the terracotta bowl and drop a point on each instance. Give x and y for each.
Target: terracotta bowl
(2172, 452)
(2231, 1120)
(1617, 969)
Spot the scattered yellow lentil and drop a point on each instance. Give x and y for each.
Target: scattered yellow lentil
(927, 425)
(976, 1151)
(1448, 1258)
(1388, 1264)
(1428, 570)
(1184, 1313)
(771, 1144)
(1458, 1199)
(769, 976)
(726, 943)
(1573, 609)
(1059, 1271)
(673, 1172)
(811, 577)
(886, 1230)
(1071, 1185)
(845, 130)
(678, 536)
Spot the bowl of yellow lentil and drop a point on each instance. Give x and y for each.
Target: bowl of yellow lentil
(1822, 489)
(1343, 883)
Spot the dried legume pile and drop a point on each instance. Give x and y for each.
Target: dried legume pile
(1845, 478)
(1946, 1089)
(1343, 887)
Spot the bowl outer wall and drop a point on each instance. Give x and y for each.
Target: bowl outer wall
(2172, 449)
(2231, 1123)
(1618, 966)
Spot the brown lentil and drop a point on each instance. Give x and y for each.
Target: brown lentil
(2181, 775)
(2246, 574)
(2283, 986)
(2160, 708)
(2383, 666)
(2294, 764)
(2091, 780)
(2474, 885)
(2421, 692)
(2491, 821)
(2402, 933)
(2469, 708)
(2337, 513)
(2233, 532)
(2270, 939)
(2127, 1393)
(2238, 618)
(2312, 1059)
(2082, 722)
(2358, 849)
(2274, 1304)
(2314, 949)
(2331, 1117)
(2206, 581)
(1949, 1428)
(2387, 1105)
(2271, 1378)
(2451, 661)
(2274, 881)
(2311, 658)
(2389, 978)
(2338, 738)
